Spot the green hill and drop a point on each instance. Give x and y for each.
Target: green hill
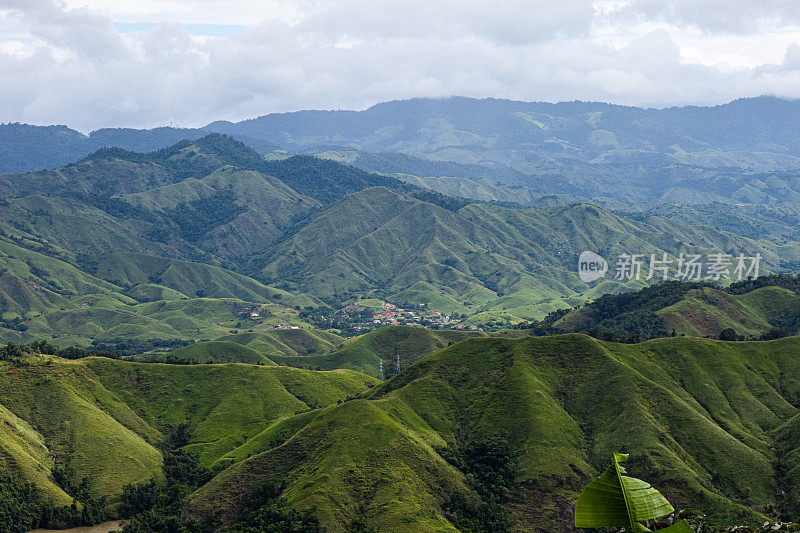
(390, 343)
(288, 342)
(105, 418)
(194, 279)
(318, 227)
(213, 352)
(186, 211)
(81, 424)
(688, 309)
(322, 350)
(711, 423)
(517, 263)
(44, 295)
(706, 312)
(708, 422)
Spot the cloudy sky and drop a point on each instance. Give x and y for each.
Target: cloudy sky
(145, 63)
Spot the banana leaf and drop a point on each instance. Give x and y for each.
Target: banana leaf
(617, 500)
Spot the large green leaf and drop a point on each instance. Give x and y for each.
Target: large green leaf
(617, 500)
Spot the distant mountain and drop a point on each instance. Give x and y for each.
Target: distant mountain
(24, 147)
(746, 151)
(527, 134)
(587, 149)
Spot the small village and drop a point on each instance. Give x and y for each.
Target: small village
(391, 315)
(360, 317)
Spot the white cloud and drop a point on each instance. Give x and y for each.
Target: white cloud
(64, 62)
(736, 16)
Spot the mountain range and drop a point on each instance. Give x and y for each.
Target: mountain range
(212, 218)
(741, 152)
(203, 314)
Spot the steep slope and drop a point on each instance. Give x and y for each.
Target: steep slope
(130, 270)
(708, 311)
(520, 262)
(230, 212)
(686, 309)
(224, 404)
(73, 224)
(325, 180)
(82, 425)
(705, 421)
(105, 418)
(23, 452)
(34, 282)
(194, 199)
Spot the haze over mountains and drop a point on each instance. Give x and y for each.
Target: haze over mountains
(741, 152)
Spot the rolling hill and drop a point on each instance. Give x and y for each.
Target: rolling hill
(706, 421)
(692, 309)
(134, 228)
(390, 344)
(289, 342)
(478, 259)
(105, 418)
(711, 423)
(321, 350)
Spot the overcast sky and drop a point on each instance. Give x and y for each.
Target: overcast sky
(145, 63)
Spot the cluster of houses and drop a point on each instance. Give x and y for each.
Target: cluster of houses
(391, 315)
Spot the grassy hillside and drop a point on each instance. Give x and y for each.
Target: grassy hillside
(81, 424)
(687, 309)
(313, 226)
(231, 212)
(218, 352)
(706, 421)
(129, 270)
(706, 312)
(225, 405)
(212, 352)
(364, 353)
(502, 262)
(44, 295)
(105, 418)
(711, 423)
(322, 350)
(288, 342)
